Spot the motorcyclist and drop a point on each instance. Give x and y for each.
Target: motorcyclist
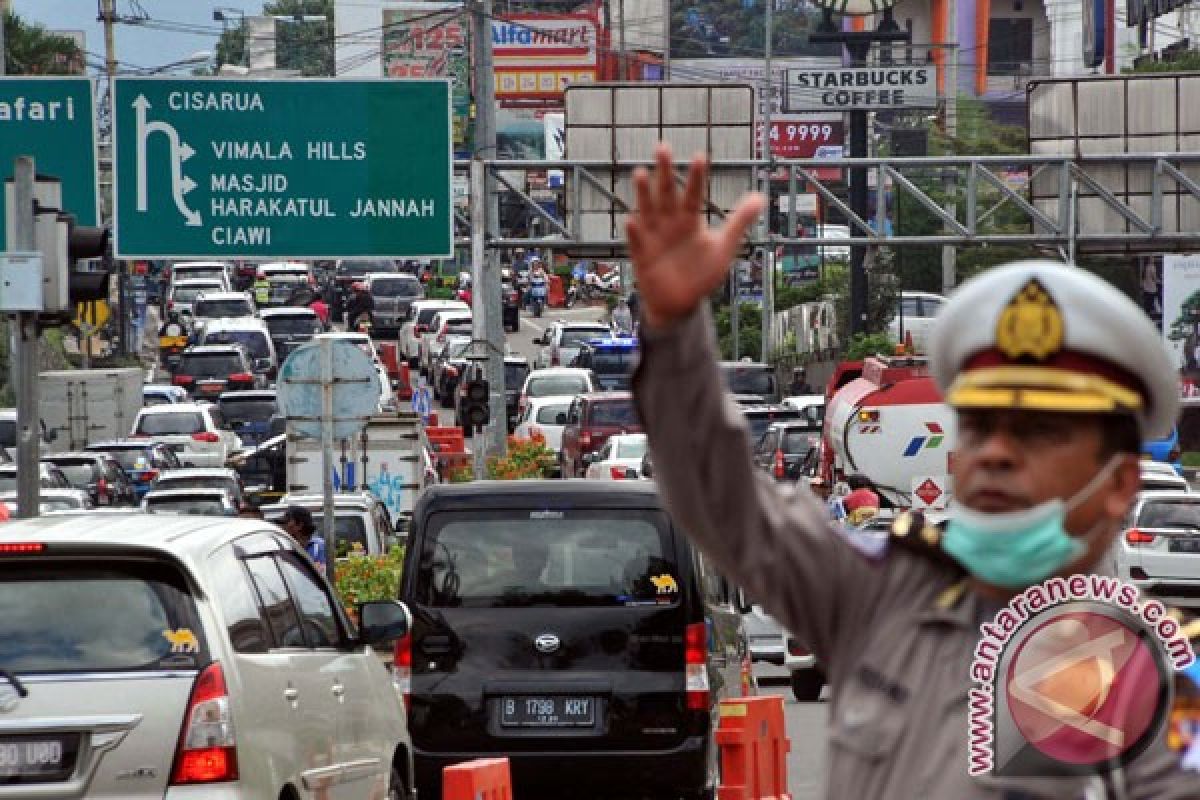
(538, 282)
(361, 303)
(622, 318)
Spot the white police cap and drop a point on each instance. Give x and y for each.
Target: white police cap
(1044, 336)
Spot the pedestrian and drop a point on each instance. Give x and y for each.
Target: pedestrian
(298, 522)
(1056, 378)
(622, 318)
(361, 304)
(321, 309)
(799, 384)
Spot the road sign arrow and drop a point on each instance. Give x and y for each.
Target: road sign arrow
(188, 184)
(141, 103)
(185, 151)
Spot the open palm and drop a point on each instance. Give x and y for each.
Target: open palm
(677, 258)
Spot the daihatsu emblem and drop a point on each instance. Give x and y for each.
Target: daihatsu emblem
(547, 643)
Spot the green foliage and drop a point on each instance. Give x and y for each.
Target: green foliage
(869, 344)
(737, 30)
(29, 49)
(749, 328)
(361, 578)
(307, 46)
(1187, 61)
(526, 459)
(1190, 459)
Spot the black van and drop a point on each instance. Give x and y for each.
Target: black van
(569, 626)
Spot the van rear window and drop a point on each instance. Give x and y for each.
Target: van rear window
(580, 557)
(59, 617)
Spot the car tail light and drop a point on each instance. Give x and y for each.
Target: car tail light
(402, 660)
(696, 666)
(102, 486)
(617, 473)
(149, 474)
(170, 304)
(1134, 536)
(21, 548)
(585, 440)
(554, 357)
(207, 744)
(779, 465)
(241, 377)
(183, 380)
(421, 329)
(206, 436)
(795, 649)
(452, 372)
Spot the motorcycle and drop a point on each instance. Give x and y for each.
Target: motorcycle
(537, 298)
(572, 294)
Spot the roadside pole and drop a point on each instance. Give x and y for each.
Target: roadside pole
(768, 256)
(25, 339)
(327, 422)
(478, 213)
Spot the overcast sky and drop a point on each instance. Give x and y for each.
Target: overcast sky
(141, 47)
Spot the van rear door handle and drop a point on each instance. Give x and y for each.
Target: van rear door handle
(291, 694)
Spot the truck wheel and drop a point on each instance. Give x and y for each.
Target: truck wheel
(806, 685)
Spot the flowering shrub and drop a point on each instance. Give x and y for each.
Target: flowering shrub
(361, 578)
(527, 459)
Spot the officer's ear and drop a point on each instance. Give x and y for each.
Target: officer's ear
(1123, 486)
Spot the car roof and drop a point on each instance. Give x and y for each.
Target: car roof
(123, 444)
(236, 324)
(345, 499)
(210, 264)
(286, 311)
(393, 276)
(224, 296)
(162, 387)
(546, 495)
(248, 394)
(800, 424)
(203, 349)
(74, 454)
(551, 399)
(284, 266)
(198, 472)
(197, 491)
(194, 282)
(1158, 467)
(604, 395)
(55, 491)
(587, 326)
(559, 371)
(1167, 494)
(438, 303)
(746, 364)
(174, 408)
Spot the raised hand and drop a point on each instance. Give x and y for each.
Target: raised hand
(679, 260)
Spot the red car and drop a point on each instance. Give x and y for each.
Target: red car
(591, 419)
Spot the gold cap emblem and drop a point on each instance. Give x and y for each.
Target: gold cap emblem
(1031, 325)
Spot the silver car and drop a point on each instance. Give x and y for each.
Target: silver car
(187, 657)
(1159, 550)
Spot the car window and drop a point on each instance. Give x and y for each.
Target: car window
(614, 413)
(316, 609)
(1170, 514)
(634, 447)
(348, 530)
(795, 441)
(548, 414)
(8, 433)
(195, 482)
(930, 306)
(613, 361)
(202, 505)
(168, 423)
(547, 385)
(251, 409)
(396, 287)
(188, 294)
(128, 457)
(299, 324)
(234, 594)
(716, 591)
(257, 343)
(216, 309)
(275, 602)
(909, 307)
(58, 617)
(514, 374)
(581, 557)
(574, 337)
(749, 379)
(210, 365)
(79, 473)
(759, 422)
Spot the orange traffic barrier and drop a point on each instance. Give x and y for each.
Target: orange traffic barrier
(556, 295)
(754, 748)
(483, 779)
(389, 356)
(446, 440)
(403, 377)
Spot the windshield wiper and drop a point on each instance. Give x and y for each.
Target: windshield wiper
(16, 683)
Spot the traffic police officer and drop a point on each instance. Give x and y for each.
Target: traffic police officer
(262, 290)
(1056, 376)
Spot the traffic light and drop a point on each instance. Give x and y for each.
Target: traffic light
(477, 411)
(85, 242)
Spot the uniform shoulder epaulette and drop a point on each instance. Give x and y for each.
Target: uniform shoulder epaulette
(913, 531)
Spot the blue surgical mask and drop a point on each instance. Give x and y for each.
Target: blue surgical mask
(1016, 549)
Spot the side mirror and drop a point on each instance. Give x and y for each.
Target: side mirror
(647, 468)
(588, 458)
(742, 603)
(382, 622)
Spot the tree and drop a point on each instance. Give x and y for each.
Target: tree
(1187, 61)
(29, 49)
(306, 46)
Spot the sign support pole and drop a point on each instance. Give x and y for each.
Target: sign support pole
(768, 252)
(327, 523)
(26, 340)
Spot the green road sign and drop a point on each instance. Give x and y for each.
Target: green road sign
(52, 119)
(287, 168)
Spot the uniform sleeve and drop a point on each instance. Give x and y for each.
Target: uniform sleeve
(1158, 774)
(774, 541)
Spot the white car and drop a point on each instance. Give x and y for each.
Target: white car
(546, 416)
(1157, 476)
(358, 519)
(560, 342)
(219, 271)
(253, 335)
(222, 305)
(555, 382)
(196, 432)
(445, 323)
(1158, 551)
(618, 459)
(192, 657)
(420, 318)
(277, 269)
(915, 312)
(209, 502)
(222, 478)
(183, 293)
(810, 406)
(158, 394)
(51, 500)
(387, 397)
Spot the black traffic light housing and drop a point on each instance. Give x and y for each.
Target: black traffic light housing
(477, 412)
(84, 243)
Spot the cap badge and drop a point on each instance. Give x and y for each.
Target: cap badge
(1031, 325)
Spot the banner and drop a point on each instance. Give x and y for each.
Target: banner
(418, 42)
(538, 55)
(1181, 314)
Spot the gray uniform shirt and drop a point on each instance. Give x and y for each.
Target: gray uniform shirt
(895, 644)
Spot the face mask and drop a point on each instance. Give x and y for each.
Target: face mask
(1016, 549)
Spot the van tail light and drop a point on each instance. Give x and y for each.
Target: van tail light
(1134, 536)
(585, 440)
(102, 486)
(183, 380)
(21, 548)
(241, 377)
(149, 474)
(617, 473)
(452, 372)
(402, 668)
(207, 750)
(206, 436)
(170, 304)
(696, 666)
(779, 465)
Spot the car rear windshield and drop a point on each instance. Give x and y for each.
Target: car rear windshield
(426, 315)
(59, 617)
(760, 421)
(128, 457)
(8, 481)
(247, 410)
(574, 337)
(218, 309)
(348, 268)
(396, 287)
(548, 385)
(195, 482)
(210, 365)
(514, 375)
(196, 273)
(255, 342)
(299, 324)
(1170, 514)
(614, 414)
(168, 423)
(548, 415)
(631, 448)
(79, 472)
(350, 531)
(580, 557)
(799, 441)
(759, 380)
(206, 506)
(8, 433)
(614, 361)
(188, 294)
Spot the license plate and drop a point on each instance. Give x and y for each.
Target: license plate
(212, 388)
(547, 712)
(38, 758)
(1185, 545)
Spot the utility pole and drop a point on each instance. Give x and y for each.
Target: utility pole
(3, 36)
(950, 177)
(487, 325)
(767, 256)
(124, 315)
(26, 356)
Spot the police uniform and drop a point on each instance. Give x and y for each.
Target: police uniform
(895, 629)
(262, 291)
